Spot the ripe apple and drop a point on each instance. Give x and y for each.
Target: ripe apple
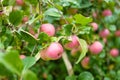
(95, 26)
(48, 29)
(25, 19)
(94, 14)
(105, 40)
(1, 13)
(104, 33)
(53, 52)
(96, 47)
(114, 52)
(74, 51)
(31, 31)
(85, 62)
(117, 33)
(73, 43)
(107, 12)
(22, 56)
(19, 2)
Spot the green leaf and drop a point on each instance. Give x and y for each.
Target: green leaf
(8, 3)
(110, 19)
(51, 19)
(107, 1)
(118, 75)
(43, 37)
(29, 75)
(112, 27)
(84, 3)
(34, 19)
(28, 37)
(2, 30)
(67, 29)
(80, 19)
(85, 76)
(70, 78)
(84, 47)
(15, 17)
(3, 70)
(31, 1)
(12, 62)
(11, 2)
(29, 62)
(53, 12)
(84, 30)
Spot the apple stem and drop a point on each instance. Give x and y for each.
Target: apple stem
(67, 64)
(61, 37)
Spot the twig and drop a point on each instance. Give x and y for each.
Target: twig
(67, 64)
(40, 9)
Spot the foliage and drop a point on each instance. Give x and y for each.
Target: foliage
(69, 17)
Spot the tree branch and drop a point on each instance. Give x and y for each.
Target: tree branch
(67, 64)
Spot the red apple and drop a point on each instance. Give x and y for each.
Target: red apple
(104, 33)
(19, 2)
(75, 50)
(114, 52)
(36, 35)
(107, 12)
(94, 14)
(73, 44)
(43, 55)
(1, 13)
(95, 26)
(31, 31)
(25, 19)
(105, 40)
(22, 56)
(85, 62)
(48, 29)
(53, 52)
(117, 33)
(96, 47)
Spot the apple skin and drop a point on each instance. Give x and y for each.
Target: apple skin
(53, 52)
(73, 44)
(104, 33)
(22, 56)
(96, 47)
(85, 62)
(19, 2)
(94, 14)
(25, 19)
(107, 12)
(74, 51)
(43, 55)
(114, 52)
(48, 29)
(95, 26)
(1, 13)
(105, 40)
(117, 33)
(31, 30)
